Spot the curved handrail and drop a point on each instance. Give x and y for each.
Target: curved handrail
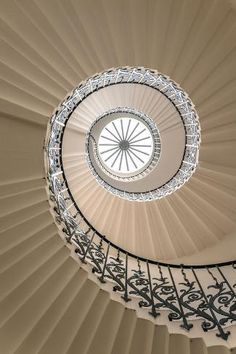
(156, 284)
(187, 291)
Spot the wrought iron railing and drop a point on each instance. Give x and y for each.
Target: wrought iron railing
(205, 293)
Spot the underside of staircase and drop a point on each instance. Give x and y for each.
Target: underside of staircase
(50, 303)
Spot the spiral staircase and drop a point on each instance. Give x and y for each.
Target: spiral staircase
(50, 301)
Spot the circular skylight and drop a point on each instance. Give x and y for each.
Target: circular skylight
(125, 145)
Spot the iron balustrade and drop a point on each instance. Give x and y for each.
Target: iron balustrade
(205, 292)
(188, 293)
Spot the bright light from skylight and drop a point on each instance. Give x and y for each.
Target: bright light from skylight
(125, 145)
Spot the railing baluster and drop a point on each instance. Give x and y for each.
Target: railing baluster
(68, 232)
(87, 249)
(126, 297)
(222, 333)
(101, 278)
(226, 281)
(154, 313)
(185, 324)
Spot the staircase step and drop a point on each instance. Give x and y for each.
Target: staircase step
(125, 332)
(27, 316)
(41, 332)
(143, 337)
(91, 323)
(11, 303)
(16, 274)
(20, 216)
(65, 330)
(160, 344)
(25, 231)
(106, 332)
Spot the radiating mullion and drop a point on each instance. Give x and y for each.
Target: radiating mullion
(116, 158)
(122, 129)
(133, 131)
(142, 152)
(112, 154)
(116, 130)
(121, 159)
(137, 135)
(148, 137)
(108, 144)
(137, 156)
(103, 152)
(141, 145)
(127, 131)
(112, 134)
(131, 159)
(105, 137)
(126, 159)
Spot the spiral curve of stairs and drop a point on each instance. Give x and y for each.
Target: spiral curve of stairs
(50, 302)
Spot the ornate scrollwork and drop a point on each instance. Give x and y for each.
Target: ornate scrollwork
(158, 288)
(96, 257)
(116, 273)
(186, 300)
(139, 285)
(165, 296)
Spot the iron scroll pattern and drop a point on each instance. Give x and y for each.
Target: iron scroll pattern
(206, 293)
(181, 290)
